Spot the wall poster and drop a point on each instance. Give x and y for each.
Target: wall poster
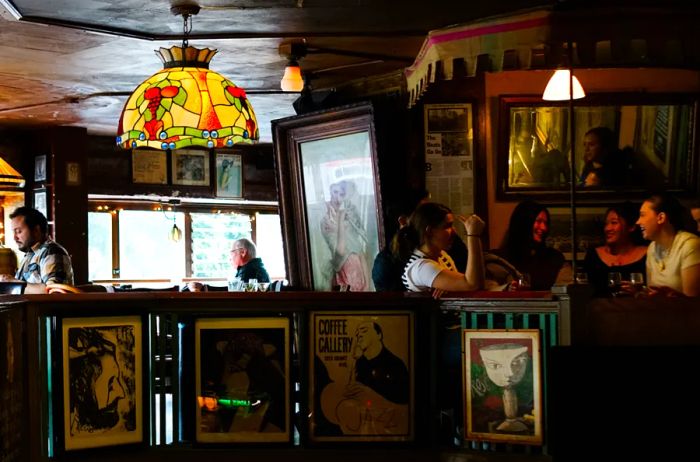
(361, 384)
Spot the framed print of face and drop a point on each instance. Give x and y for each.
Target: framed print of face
(190, 167)
(330, 200)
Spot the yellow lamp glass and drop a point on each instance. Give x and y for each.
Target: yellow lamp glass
(186, 104)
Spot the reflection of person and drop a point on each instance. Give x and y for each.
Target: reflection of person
(622, 251)
(673, 257)
(524, 245)
(346, 237)
(604, 164)
(423, 243)
(45, 261)
(243, 258)
(96, 382)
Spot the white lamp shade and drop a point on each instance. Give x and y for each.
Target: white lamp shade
(292, 80)
(558, 87)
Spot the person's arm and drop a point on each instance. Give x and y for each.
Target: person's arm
(690, 278)
(473, 278)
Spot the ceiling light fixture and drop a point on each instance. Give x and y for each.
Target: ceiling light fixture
(186, 104)
(292, 79)
(558, 88)
(9, 177)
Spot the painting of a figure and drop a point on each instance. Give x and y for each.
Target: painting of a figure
(191, 167)
(502, 386)
(362, 377)
(242, 380)
(229, 175)
(102, 381)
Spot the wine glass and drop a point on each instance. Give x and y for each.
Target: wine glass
(524, 282)
(582, 278)
(637, 282)
(615, 282)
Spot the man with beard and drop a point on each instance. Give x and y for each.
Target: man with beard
(45, 261)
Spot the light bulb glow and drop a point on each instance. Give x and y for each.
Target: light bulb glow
(558, 87)
(292, 79)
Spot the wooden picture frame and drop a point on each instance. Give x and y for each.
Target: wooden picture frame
(102, 406)
(349, 403)
(40, 168)
(653, 138)
(243, 385)
(327, 161)
(502, 385)
(229, 175)
(149, 166)
(190, 167)
(40, 201)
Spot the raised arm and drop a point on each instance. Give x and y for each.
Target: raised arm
(473, 278)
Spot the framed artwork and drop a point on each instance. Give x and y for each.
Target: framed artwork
(40, 173)
(626, 143)
(329, 197)
(229, 175)
(243, 380)
(502, 388)
(102, 381)
(149, 166)
(41, 202)
(348, 400)
(73, 174)
(190, 167)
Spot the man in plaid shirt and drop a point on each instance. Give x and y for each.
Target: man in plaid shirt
(45, 261)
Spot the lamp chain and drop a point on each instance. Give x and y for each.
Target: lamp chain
(186, 29)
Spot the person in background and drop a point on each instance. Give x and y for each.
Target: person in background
(604, 163)
(45, 261)
(623, 251)
(695, 212)
(423, 243)
(243, 258)
(524, 245)
(673, 257)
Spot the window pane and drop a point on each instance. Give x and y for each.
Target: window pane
(99, 245)
(270, 249)
(212, 236)
(145, 251)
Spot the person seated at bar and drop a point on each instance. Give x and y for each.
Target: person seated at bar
(673, 257)
(243, 258)
(524, 245)
(423, 244)
(45, 261)
(623, 251)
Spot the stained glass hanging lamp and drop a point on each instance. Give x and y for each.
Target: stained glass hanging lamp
(186, 104)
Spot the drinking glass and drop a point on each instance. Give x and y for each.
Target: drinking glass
(582, 278)
(637, 282)
(615, 282)
(252, 285)
(524, 282)
(234, 284)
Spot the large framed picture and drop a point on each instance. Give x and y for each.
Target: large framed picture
(229, 175)
(361, 376)
(243, 380)
(190, 167)
(503, 395)
(329, 197)
(102, 381)
(149, 166)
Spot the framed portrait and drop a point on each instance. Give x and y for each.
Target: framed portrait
(329, 197)
(229, 175)
(41, 202)
(623, 143)
(502, 388)
(149, 166)
(348, 400)
(73, 174)
(40, 173)
(103, 399)
(190, 167)
(243, 380)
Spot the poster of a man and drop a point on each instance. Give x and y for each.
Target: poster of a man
(362, 383)
(102, 381)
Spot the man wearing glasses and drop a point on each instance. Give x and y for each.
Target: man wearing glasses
(243, 258)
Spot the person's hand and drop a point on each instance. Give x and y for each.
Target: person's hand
(664, 291)
(196, 286)
(473, 224)
(437, 293)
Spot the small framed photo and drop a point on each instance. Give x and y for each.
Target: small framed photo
(102, 381)
(73, 174)
(361, 376)
(190, 167)
(229, 175)
(41, 202)
(149, 166)
(243, 390)
(502, 388)
(40, 173)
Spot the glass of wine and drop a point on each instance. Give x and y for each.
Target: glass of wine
(615, 283)
(637, 282)
(582, 278)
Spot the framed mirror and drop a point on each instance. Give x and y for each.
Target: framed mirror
(330, 200)
(624, 143)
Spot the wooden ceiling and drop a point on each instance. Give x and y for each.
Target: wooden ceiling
(73, 62)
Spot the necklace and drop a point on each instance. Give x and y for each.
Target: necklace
(660, 256)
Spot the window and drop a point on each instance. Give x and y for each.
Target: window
(100, 245)
(212, 235)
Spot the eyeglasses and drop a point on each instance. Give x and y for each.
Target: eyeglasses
(236, 250)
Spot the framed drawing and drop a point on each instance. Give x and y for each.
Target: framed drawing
(503, 395)
(41, 203)
(149, 166)
(102, 381)
(229, 175)
(626, 143)
(348, 400)
(329, 197)
(243, 380)
(190, 167)
(40, 173)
